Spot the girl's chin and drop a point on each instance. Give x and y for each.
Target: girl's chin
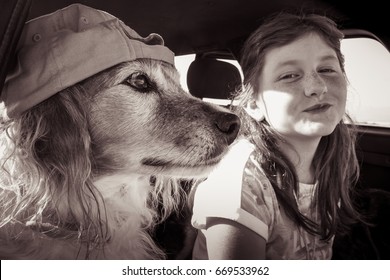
(317, 130)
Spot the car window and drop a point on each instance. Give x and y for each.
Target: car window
(182, 64)
(367, 64)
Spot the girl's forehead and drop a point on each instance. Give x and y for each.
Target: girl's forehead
(304, 48)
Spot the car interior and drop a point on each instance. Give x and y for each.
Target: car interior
(214, 31)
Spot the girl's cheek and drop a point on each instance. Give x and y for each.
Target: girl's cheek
(337, 85)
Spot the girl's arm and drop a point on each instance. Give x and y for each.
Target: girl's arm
(229, 240)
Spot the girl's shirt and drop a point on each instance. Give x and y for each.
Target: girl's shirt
(239, 190)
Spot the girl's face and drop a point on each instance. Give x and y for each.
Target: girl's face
(302, 89)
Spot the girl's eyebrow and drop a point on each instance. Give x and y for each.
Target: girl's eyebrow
(329, 57)
(297, 61)
(287, 63)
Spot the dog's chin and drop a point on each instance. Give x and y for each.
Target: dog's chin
(187, 172)
(181, 170)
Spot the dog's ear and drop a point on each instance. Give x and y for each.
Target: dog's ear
(58, 146)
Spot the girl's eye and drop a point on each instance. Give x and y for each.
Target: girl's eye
(288, 76)
(139, 81)
(327, 70)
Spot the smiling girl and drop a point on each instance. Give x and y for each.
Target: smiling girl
(284, 190)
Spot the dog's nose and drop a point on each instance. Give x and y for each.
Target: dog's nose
(229, 125)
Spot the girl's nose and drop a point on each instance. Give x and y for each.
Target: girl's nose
(314, 85)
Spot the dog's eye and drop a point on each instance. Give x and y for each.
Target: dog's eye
(139, 81)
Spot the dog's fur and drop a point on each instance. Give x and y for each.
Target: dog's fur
(91, 171)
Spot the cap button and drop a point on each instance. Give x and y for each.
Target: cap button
(84, 20)
(36, 37)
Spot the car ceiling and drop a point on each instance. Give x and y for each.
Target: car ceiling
(216, 25)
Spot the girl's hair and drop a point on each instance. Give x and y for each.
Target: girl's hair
(335, 163)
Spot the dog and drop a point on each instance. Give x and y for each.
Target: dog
(92, 170)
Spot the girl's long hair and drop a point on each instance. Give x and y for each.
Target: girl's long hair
(335, 162)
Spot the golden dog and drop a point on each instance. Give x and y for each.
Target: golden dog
(91, 170)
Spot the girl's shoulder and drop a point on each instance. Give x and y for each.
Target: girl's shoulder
(239, 165)
(235, 160)
(252, 168)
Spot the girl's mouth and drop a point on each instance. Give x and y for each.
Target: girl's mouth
(319, 108)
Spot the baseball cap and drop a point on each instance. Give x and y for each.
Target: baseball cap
(58, 50)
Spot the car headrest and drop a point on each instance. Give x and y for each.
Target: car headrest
(211, 78)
